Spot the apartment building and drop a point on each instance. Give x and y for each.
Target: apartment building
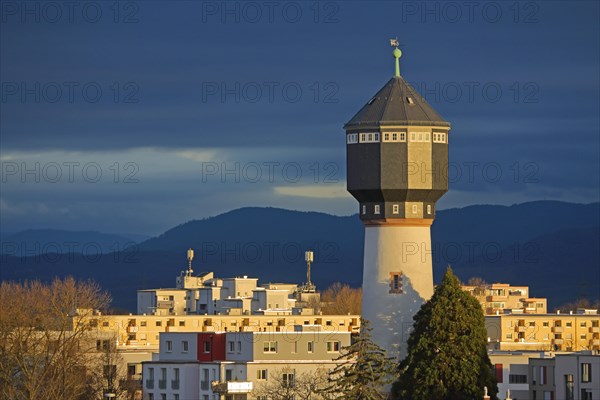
(544, 332)
(500, 298)
(237, 365)
(573, 376)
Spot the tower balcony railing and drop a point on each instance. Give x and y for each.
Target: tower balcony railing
(175, 384)
(162, 383)
(149, 383)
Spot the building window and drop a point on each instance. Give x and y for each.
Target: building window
(569, 387)
(228, 375)
(569, 324)
(394, 137)
(239, 347)
(396, 209)
(261, 374)
(231, 346)
(207, 346)
(414, 209)
(169, 345)
(543, 375)
(364, 209)
(545, 323)
(428, 208)
(352, 138)
(586, 372)
(310, 347)
(333, 347)
(288, 379)
(413, 137)
(184, 346)
(395, 283)
(517, 378)
(181, 323)
(270, 347)
(377, 209)
(158, 323)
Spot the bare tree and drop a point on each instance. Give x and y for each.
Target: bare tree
(479, 284)
(341, 299)
(45, 349)
(285, 384)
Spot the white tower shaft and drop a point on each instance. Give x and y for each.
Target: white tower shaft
(397, 279)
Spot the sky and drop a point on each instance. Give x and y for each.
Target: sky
(136, 116)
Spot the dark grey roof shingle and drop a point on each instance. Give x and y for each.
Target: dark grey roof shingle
(391, 106)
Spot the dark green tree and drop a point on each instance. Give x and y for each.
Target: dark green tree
(447, 349)
(364, 372)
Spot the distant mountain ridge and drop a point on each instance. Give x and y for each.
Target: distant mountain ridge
(553, 247)
(39, 241)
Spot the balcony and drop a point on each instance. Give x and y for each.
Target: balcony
(557, 341)
(204, 385)
(149, 383)
(165, 304)
(521, 328)
(594, 329)
(162, 383)
(174, 384)
(596, 342)
(132, 329)
(557, 329)
(231, 387)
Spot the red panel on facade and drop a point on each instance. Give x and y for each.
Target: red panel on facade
(499, 373)
(211, 347)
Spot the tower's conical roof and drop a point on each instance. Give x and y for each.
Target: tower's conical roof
(397, 103)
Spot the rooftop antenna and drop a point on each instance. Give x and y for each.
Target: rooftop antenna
(397, 54)
(190, 257)
(309, 258)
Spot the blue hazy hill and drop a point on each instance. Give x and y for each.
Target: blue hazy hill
(551, 246)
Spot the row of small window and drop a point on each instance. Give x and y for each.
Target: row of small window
(374, 137)
(533, 336)
(395, 209)
(332, 347)
(184, 346)
(163, 396)
(557, 324)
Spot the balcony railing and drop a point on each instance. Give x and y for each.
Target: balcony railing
(149, 383)
(231, 387)
(162, 383)
(557, 329)
(204, 385)
(594, 329)
(558, 341)
(174, 384)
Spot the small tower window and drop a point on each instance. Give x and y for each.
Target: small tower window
(377, 209)
(363, 137)
(403, 136)
(396, 209)
(427, 137)
(386, 137)
(376, 137)
(394, 137)
(414, 209)
(412, 136)
(428, 208)
(395, 283)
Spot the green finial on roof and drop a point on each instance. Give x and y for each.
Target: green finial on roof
(397, 54)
